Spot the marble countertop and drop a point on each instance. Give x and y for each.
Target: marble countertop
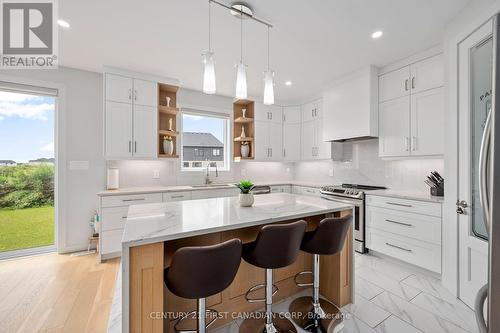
(151, 223)
(181, 188)
(406, 195)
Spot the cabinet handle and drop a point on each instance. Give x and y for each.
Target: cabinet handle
(312, 112)
(398, 247)
(177, 196)
(135, 95)
(135, 146)
(138, 199)
(271, 150)
(406, 85)
(400, 223)
(124, 217)
(270, 116)
(407, 143)
(413, 143)
(284, 152)
(130, 146)
(130, 94)
(399, 204)
(413, 83)
(284, 117)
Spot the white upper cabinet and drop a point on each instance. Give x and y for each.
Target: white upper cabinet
(268, 132)
(118, 88)
(145, 142)
(307, 140)
(427, 74)
(291, 142)
(291, 133)
(311, 110)
(350, 107)
(130, 117)
(145, 93)
(413, 124)
(394, 116)
(427, 123)
(118, 127)
(291, 115)
(394, 84)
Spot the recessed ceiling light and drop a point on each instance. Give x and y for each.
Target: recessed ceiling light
(288, 83)
(377, 34)
(63, 23)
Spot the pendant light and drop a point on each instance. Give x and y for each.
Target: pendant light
(241, 70)
(209, 86)
(268, 79)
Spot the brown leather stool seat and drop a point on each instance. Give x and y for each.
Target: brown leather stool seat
(276, 246)
(316, 314)
(198, 272)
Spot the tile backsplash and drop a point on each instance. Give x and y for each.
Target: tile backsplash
(364, 168)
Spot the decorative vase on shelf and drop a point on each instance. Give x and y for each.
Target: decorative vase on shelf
(243, 131)
(168, 146)
(168, 101)
(246, 199)
(170, 124)
(244, 111)
(245, 149)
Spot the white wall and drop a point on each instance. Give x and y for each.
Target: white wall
(81, 139)
(367, 168)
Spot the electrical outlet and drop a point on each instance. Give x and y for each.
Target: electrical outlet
(156, 174)
(330, 172)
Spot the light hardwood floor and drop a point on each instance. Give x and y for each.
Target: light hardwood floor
(56, 293)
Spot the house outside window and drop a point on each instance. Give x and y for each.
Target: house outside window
(205, 141)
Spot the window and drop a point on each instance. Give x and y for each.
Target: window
(205, 140)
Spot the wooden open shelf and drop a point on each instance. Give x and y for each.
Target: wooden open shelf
(241, 120)
(167, 132)
(168, 110)
(247, 123)
(167, 114)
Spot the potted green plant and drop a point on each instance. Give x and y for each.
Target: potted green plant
(246, 198)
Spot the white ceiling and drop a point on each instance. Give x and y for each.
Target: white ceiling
(312, 43)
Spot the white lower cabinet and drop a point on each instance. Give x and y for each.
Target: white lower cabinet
(408, 230)
(305, 190)
(216, 193)
(113, 211)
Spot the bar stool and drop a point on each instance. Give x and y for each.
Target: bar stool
(276, 246)
(315, 314)
(198, 272)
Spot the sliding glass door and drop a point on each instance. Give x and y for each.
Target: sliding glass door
(27, 165)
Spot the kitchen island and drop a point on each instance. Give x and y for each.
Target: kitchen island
(153, 232)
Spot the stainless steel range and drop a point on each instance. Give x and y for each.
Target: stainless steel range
(353, 194)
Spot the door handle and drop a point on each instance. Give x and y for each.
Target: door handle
(461, 206)
(483, 166)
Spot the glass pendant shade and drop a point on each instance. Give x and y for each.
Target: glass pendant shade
(209, 73)
(269, 87)
(241, 81)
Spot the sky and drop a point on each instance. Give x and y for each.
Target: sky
(26, 126)
(194, 123)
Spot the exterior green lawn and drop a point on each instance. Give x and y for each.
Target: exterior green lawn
(26, 228)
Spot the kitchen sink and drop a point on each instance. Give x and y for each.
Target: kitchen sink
(212, 186)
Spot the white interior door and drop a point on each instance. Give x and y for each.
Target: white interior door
(475, 83)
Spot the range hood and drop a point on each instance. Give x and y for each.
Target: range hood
(350, 107)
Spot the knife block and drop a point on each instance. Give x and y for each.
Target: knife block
(437, 191)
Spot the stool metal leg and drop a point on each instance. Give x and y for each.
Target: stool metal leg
(269, 323)
(316, 314)
(201, 315)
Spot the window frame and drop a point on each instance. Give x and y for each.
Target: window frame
(226, 140)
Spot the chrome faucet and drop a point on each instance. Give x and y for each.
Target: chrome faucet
(208, 181)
